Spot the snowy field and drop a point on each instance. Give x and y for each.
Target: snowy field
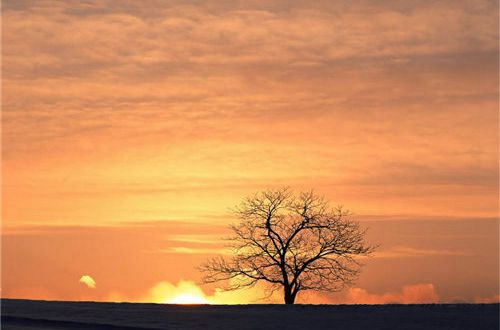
(26, 314)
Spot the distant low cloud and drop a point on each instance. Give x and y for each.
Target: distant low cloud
(488, 300)
(421, 293)
(88, 281)
(410, 294)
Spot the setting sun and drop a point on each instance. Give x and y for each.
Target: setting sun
(182, 293)
(187, 299)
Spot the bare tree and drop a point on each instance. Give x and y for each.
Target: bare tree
(292, 242)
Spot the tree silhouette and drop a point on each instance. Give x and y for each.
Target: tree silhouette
(292, 242)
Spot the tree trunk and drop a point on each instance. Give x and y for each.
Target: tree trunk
(289, 296)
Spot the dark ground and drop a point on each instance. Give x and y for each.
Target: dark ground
(32, 314)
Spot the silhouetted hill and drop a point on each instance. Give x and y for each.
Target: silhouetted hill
(32, 314)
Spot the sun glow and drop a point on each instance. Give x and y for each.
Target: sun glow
(184, 292)
(188, 299)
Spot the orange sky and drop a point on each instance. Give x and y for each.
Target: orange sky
(130, 128)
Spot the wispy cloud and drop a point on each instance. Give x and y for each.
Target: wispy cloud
(191, 250)
(410, 252)
(200, 238)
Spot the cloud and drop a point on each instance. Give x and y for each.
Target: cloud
(88, 281)
(185, 35)
(410, 294)
(495, 299)
(196, 238)
(202, 243)
(423, 293)
(221, 72)
(409, 252)
(191, 250)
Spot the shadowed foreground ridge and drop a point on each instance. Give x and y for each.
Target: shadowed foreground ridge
(32, 314)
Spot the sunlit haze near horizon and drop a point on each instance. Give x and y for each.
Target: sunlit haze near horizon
(131, 128)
